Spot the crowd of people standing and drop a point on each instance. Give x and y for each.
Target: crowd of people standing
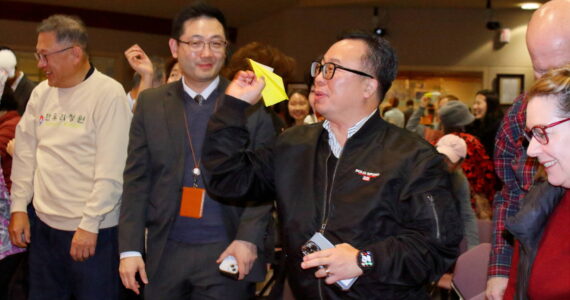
(185, 185)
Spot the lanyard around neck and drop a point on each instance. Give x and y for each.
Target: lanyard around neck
(196, 170)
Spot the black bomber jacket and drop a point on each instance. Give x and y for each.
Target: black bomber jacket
(389, 194)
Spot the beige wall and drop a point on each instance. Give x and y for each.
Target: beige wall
(106, 45)
(425, 39)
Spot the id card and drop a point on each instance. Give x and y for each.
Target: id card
(192, 202)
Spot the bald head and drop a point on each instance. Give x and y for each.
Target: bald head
(548, 36)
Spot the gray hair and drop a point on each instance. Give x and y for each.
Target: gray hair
(68, 29)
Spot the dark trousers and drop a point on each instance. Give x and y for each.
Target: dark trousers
(191, 272)
(54, 274)
(13, 285)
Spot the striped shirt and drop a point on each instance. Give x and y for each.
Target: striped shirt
(335, 146)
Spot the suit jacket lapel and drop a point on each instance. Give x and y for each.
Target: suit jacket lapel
(174, 115)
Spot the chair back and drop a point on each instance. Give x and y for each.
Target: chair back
(470, 273)
(485, 228)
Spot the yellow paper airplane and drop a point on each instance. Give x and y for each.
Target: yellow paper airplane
(274, 91)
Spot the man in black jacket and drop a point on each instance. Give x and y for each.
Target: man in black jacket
(377, 192)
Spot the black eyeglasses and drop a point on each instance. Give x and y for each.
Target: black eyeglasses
(539, 132)
(40, 56)
(329, 68)
(198, 45)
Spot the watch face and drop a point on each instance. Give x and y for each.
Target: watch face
(366, 259)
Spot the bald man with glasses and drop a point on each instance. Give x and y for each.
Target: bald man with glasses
(377, 193)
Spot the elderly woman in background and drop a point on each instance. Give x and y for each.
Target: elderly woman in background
(478, 166)
(541, 226)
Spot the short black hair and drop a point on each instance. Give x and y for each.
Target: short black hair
(381, 58)
(194, 11)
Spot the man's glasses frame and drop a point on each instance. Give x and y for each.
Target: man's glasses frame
(198, 45)
(328, 70)
(539, 132)
(43, 57)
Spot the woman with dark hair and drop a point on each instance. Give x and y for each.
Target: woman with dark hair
(488, 116)
(298, 107)
(9, 118)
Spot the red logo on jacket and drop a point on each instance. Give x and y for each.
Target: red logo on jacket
(366, 176)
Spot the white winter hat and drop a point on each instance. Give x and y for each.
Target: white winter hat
(8, 62)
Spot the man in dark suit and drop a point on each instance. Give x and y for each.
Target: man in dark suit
(182, 251)
(21, 85)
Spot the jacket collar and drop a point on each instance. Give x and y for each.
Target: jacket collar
(375, 126)
(537, 206)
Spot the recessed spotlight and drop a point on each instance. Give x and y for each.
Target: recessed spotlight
(530, 5)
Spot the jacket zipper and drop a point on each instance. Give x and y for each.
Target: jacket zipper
(327, 206)
(432, 204)
(327, 198)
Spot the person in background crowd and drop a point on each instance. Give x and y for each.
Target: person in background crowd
(172, 69)
(477, 166)
(548, 43)
(488, 115)
(393, 114)
(314, 116)
(346, 182)
(455, 150)
(282, 64)
(11, 257)
(409, 110)
(17, 80)
(429, 133)
(541, 225)
(148, 74)
(9, 118)
(163, 183)
(71, 146)
(298, 107)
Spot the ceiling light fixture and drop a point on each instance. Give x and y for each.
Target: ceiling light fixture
(530, 5)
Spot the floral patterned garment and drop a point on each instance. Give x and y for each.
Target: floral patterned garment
(479, 170)
(6, 247)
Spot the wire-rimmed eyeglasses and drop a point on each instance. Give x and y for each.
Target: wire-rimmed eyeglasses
(198, 45)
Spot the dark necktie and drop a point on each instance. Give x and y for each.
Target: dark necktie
(199, 99)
